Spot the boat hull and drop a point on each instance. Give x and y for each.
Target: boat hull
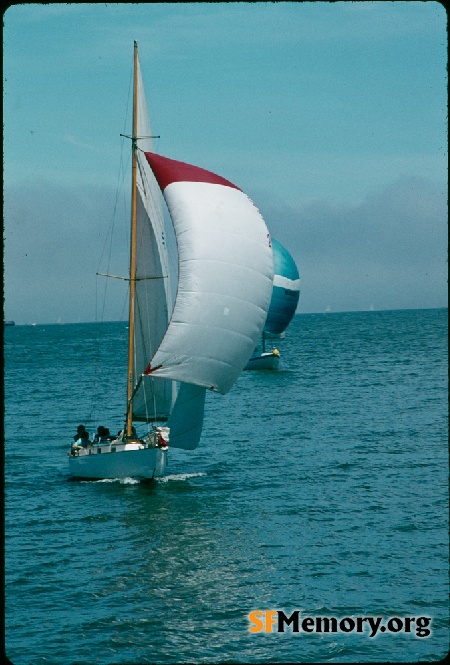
(136, 463)
(263, 361)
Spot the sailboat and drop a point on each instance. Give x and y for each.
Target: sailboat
(284, 301)
(203, 342)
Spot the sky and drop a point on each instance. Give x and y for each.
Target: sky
(332, 117)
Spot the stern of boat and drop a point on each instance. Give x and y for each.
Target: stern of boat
(127, 458)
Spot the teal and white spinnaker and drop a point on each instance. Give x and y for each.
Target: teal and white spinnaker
(283, 303)
(285, 290)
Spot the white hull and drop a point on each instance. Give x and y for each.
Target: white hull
(267, 360)
(118, 461)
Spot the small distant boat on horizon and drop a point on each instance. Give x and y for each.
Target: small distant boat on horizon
(284, 301)
(8, 323)
(203, 342)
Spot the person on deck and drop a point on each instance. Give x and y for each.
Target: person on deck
(84, 440)
(81, 439)
(103, 434)
(80, 430)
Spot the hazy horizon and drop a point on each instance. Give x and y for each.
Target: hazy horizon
(332, 117)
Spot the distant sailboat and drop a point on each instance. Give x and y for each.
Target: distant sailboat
(225, 273)
(284, 301)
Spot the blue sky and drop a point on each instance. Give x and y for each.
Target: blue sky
(331, 116)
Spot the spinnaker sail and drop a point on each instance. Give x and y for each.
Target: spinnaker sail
(285, 292)
(225, 277)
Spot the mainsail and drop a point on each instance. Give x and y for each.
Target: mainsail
(152, 400)
(286, 290)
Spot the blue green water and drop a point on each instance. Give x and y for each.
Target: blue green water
(322, 487)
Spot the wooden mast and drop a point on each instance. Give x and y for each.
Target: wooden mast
(129, 423)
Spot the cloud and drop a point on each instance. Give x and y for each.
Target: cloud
(72, 140)
(389, 251)
(56, 239)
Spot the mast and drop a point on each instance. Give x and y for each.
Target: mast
(129, 422)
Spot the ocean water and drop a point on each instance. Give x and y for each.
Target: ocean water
(322, 488)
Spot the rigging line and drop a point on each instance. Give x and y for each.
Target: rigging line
(159, 214)
(154, 398)
(148, 323)
(153, 394)
(143, 315)
(128, 279)
(151, 191)
(110, 237)
(150, 186)
(120, 182)
(144, 388)
(137, 386)
(96, 363)
(150, 353)
(145, 182)
(119, 189)
(130, 88)
(146, 401)
(139, 138)
(95, 395)
(123, 313)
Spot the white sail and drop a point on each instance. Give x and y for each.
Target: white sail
(225, 274)
(153, 399)
(225, 277)
(186, 420)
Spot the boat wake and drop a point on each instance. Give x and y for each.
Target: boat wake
(122, 481)
(179, 476)
(136, 481)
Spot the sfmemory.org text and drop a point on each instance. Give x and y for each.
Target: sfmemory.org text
(276, 621)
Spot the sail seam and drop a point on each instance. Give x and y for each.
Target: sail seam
(207, 228)
(226, 296)
(229, 263)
